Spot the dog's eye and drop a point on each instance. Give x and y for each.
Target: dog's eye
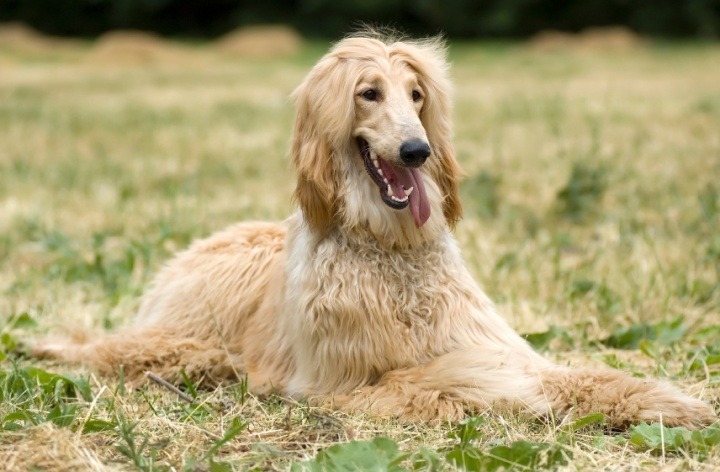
(370, 95)
(416, 96)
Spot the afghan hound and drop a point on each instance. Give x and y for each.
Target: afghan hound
(360, 300)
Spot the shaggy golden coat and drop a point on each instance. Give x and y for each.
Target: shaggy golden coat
(362, 301)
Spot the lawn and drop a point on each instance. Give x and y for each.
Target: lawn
(592, 218)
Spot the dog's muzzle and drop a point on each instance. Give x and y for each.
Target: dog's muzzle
(400, 186)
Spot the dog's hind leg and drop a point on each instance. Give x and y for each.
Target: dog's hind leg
(141, 349)
(449, 386)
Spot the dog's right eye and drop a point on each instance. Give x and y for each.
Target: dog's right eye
(370, 95)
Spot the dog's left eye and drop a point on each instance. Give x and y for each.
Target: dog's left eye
(370, 95)
(416, 96)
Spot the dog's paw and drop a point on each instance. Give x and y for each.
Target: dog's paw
(664, 403)
(678, 409)
(625, 400)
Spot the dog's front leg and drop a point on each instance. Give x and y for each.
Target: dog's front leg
(449, 386)
(481, 378)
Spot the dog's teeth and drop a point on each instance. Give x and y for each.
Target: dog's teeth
(408, 191)
(376, 163)
(389, 190)
(380, 172)
(386, 181)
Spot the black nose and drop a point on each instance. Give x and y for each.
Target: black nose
(414, 152)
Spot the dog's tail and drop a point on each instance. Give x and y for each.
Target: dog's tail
(623, 399)
(152, 350)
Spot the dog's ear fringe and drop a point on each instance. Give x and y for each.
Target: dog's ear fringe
(315, 190)
(449, 178)
(319, 120)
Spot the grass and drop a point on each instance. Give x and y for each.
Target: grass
(593, 220)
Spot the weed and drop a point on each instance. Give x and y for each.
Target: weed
(31, 396)
(661, 439)
(665, 332)
(481, 195)
(581, 196)
(135, 445)
(541, 341)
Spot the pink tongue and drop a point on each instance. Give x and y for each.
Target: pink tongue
(419, 206)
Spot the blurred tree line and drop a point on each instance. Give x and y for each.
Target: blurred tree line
(331, 18)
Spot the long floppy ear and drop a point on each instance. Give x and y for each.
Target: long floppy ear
(428, 59)
(323, 123)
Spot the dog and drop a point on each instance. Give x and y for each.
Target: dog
(360, 300)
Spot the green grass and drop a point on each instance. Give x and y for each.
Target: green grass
(592, 219)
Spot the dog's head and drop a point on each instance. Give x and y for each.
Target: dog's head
(372, 142)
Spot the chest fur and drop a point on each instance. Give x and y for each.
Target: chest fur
(365, 310)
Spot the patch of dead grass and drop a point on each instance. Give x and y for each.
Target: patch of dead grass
(24, 39)
(614, 39)
(269, 41)
(137, 47)
(47, 447)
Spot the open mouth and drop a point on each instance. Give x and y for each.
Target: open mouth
(399, 186)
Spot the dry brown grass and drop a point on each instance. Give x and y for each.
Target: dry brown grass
(261, 42)
(22, 39)
(136, 47)
(599, 39)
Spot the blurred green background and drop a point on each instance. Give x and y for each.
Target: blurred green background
(330, 18)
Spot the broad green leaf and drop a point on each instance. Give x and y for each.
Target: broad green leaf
(466, 458)
(380, 454)
(96, 426)
(706, 439)
(527, 455)
(62, 415)
(467, 430)
(21, 321)
(7, 342)
(541, 341)
(649, 348)
(657, 436)
(425, 460)
(61, 385)
(664, 333)
(591, 419)
(519, 455)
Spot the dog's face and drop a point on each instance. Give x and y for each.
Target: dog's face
(390, 136)
(372, 142)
